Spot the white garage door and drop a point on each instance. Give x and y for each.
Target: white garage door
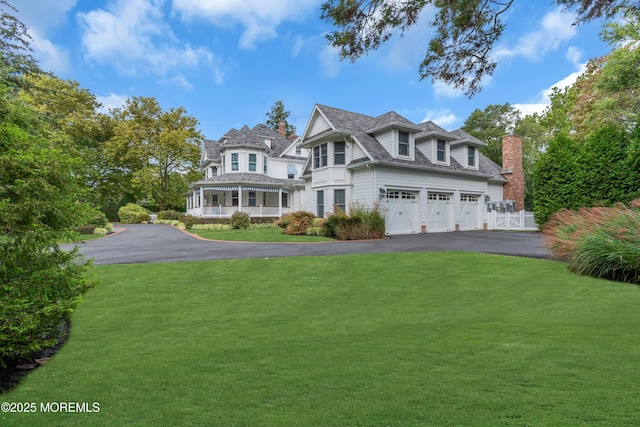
(439, 212)
(470, 214)
(403, 212)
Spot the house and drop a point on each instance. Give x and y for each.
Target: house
(426, 178)
(252, 170)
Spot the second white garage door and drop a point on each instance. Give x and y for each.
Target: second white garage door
(439, 213)
(470, 214)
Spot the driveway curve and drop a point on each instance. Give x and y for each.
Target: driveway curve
(143, 243)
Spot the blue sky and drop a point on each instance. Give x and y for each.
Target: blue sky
(228, 61)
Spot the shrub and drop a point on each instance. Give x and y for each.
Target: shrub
(362, 223)
(189, 220)
(284, 220)
(600, 242)
(315, 231)
(101, 231)
(211, 227)
(86, 229)
(240, 220)
(133, 214)
(299, 223)
(169, 215)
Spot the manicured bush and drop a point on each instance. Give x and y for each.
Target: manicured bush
(92, 216)
(240, 220)
(600, 242)
(101, 231)
(189, 221)
(133, 214)
(169, 215)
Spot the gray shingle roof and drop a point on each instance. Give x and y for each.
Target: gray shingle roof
(249, 178)
(358, 126)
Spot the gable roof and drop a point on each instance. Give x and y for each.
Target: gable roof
(463, 137)
(359, 127)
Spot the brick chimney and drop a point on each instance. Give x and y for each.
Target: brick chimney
(282, 129)
(512, 170)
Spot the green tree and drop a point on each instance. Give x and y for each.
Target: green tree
(39, 283)
(278, 115)
(466, 31)
(154, 148)
(490, 125)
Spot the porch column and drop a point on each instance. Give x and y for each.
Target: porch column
(201, 201)
(240, 198)
(279, 201)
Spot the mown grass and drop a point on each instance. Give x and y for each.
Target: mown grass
(397, 339)
(258, 235)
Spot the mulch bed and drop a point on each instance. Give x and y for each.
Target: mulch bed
(16, 369)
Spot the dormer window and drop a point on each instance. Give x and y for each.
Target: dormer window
(471, 158)
(441, 151)
(267, 141)
(403, 143)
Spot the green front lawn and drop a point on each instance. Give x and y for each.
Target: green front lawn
(274, 235)
(384, 339)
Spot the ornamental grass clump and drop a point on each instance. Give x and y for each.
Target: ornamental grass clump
(363, 222)
(600, 242)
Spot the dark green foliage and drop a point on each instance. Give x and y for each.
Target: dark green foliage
(169, 215)
(39, 284)
(555, 184)
(602, 171)
(362, 223)
(600, 242)
(133, 214)
(92, 216)
(240, 220)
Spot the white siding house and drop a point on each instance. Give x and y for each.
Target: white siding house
(251, 170)
(426, 178)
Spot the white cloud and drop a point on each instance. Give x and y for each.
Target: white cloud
(43, 14)
(538, 105)
(443, 118)
(329, 61)
(259, 18)
(556, 28)
(574, 55)
(111, 101)
(133, 37)
(50, 57)
(443, 90)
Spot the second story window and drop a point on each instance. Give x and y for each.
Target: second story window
(264, 164)
(442, 151)
(253, 162)
(471, 161)
(403, 143)
(320, 156)
(338, 153)
(234, 161)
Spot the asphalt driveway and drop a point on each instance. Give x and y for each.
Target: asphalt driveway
(142, 243)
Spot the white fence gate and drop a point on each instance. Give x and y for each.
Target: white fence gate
(511, 221)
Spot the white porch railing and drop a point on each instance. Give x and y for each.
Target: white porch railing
(227, 211)
(516, 221)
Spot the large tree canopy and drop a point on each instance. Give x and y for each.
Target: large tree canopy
(466, 30)
(156, 148)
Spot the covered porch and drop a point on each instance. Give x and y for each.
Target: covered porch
(221, 201)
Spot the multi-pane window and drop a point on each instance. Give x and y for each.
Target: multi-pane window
(320, 203)
(253, 162)
(320, 156)
(298, 150)
(442, 151)
(339, 199)
(214, 200)
(264, 164)
(234, 161)
(472, 156)
(338, 153)
(252, 198)
(285, 200)
(403, 143)
(234, 198)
